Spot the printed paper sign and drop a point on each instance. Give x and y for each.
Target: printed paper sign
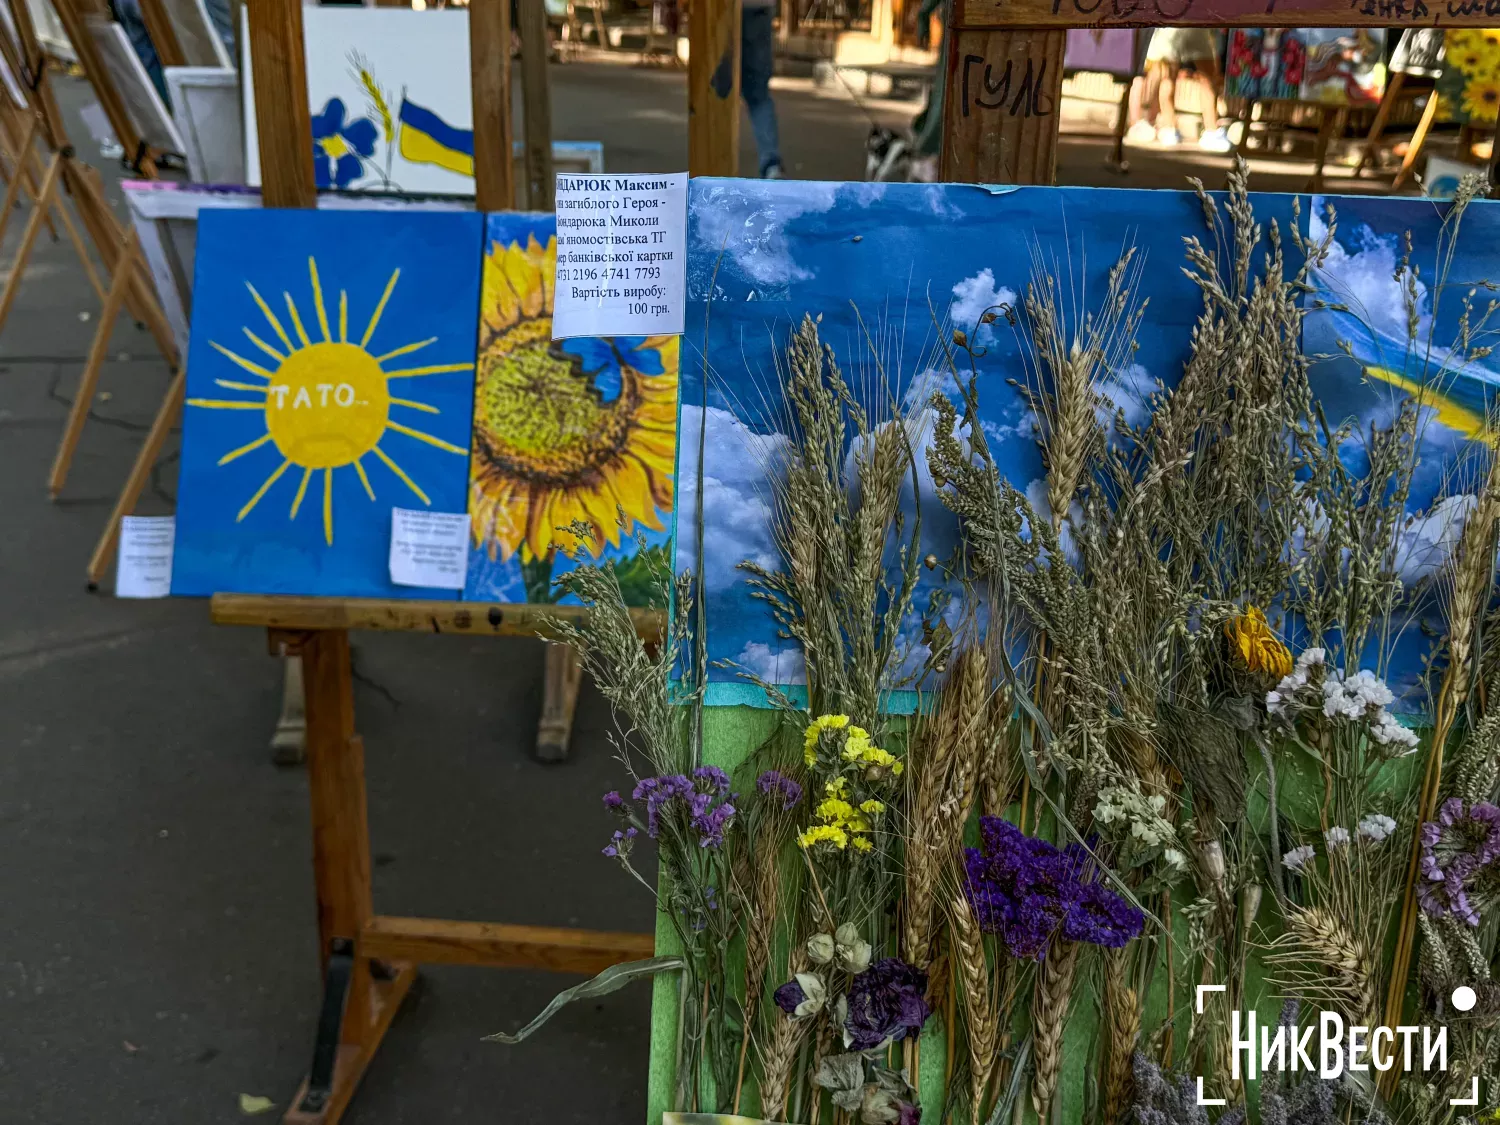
(429, 548)
(144, 569)
(621, 257)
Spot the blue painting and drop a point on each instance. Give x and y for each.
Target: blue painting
(330, 379)
(894, 269)
(574, 440)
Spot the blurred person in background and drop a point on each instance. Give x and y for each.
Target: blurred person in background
(1172, 49)
(757, 58)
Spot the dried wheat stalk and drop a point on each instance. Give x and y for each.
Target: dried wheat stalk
(1123, 1014)
(1321, 955)
(980, 1010)
(1054, 993)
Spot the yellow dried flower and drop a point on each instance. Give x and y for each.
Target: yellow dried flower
(1259, 649)
(838, 787)
(823, 834)
(862, 844)
(815, 729)
(835, 811)
(873, 807)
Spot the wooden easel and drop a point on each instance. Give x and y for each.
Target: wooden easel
(368, 960)
(1004, 94)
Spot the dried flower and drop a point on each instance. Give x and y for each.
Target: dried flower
(613, 801)
(1298, 858)
(1256, 647)
(620, 844)
(1100, 916)
(1376, 827)
(775, 785)
(820, 948)
(853, 951)
(1336, 837)
(1460, 861)
(885, 1002)
(802, 996)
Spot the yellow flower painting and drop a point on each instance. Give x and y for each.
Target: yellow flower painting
(573, 449)
(1470, 81)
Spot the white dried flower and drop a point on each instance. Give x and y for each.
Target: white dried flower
(815, 996)
(1336, 837)
(1387, 730)
(1174, 859)
(1298, 858)
(1376, 827)
(820, 949)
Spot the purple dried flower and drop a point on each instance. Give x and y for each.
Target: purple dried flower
(619, 845)
(710, 825)
(774, 784)
(788, 996)
(910, 1114)
(886, 1001)
(716, 780)
(1100, 916)
(613, 801)
(1460, 860)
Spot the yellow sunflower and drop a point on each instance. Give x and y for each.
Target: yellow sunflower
(1482, 98)
(548, 450)
(1461, 39)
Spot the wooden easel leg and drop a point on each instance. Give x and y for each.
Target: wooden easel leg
(1320, 149)
(1418, 139)
(13, 189)
(28, 238)
(289, 743)
(559, 700)
(140, 473)
(1122, 116)
(84, 396)
(360, 996)
(1382, 115)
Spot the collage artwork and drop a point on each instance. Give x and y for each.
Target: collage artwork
(363, 360)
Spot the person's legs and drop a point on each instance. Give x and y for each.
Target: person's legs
(1166, 102)
(128, 14)
(1215, 136)
(757, 58)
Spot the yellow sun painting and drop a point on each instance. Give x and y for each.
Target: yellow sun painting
(550, 450)
(327, 402)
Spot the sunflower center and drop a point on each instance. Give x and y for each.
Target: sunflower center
(327, 405)
(539, 417)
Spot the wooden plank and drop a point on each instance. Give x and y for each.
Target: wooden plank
(434, 941)
(282, 121)
(554, 730)
(1000, 111)
(472, 618)
(163, 34)
(714, 108)
(489, 70)
(1398, 14)
(28, 235)
(536, 105)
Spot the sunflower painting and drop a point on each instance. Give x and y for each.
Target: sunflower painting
(1470, 81)
(574, 441)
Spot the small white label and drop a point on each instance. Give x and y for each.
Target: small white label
(621, 255)
(144, 568)
(429, 548)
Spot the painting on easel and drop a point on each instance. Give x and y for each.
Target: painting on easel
(567, 434)
(1470, 81)
(330, 379)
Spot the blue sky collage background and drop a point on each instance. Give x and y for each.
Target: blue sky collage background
(891, 267)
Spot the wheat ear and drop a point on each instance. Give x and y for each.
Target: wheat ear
(1123, 1012)
(1054, 991)
(1345, 967)
(979, 1002)
(776, 1066)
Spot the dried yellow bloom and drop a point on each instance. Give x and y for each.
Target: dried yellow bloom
(1258, 648)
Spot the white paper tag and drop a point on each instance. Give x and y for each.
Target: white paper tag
(621, 255)
(144, 567)
(429, 548)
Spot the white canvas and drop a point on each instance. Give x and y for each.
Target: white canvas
(200, 43)
(370, 61)
(144, 105)
(206, 107)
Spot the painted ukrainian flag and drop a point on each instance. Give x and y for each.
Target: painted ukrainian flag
(427, 139)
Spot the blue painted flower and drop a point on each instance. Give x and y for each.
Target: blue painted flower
(339, 147)
(602, 358)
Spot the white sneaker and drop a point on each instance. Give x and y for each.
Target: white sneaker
(772, 172)
(1141, 133)
(1169, 137)
(1216, 140)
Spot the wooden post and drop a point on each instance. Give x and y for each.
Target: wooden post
(489, 70)
(536, 105)
(1388, 100)
(1001, 108)
(163, 35)
(1418, 141)
(283, 123)
(714, 87)
(28, 235)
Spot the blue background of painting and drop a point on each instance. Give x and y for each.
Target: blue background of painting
(436, 295)
(892, 268)
(499, 579)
